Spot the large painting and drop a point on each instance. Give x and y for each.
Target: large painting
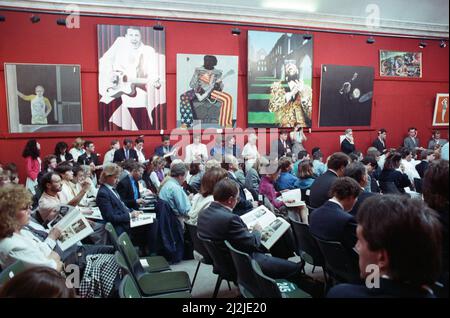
(43, 97)
(440, 116)
(207, 90)
(279, 79)
(132, 85)
(400, 64)
(346, 95)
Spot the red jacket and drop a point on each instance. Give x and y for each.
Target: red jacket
(33, 166)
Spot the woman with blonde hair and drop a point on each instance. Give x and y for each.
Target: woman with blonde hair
(77, 149)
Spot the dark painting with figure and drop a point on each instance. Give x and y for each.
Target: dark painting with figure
(43, 97)
(206, 90)
(346, 95)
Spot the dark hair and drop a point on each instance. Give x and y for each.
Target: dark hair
(127, 141)
(314, 150)
(165, 138)
(77, 169)
(404, 152)
(63, 168)
(139, 140)
(370, 160)
(435, 185)
(209, 61)
(381, 131)
(126, 164)
(372, 151)
(305, 169)
(436, 132)
(31, 149)
(392, 161)
(11, 166)
(353, 157)
(338, 160)
(194, 168)
(409, 232)
(87, 143)
(46, 179)
(114, 141)
(344, 188)
(210, 179)
(37, 282)
(134, 166)
(59, 148)
(356, 171)
(284, 164)
(412, 128)
(302, 154)
(224, 189)
(46, 162)
(317, 155)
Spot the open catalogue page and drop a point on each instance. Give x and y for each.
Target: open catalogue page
(273, 227)
(73, 225)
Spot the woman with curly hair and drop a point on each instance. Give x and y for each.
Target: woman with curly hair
(31, 154)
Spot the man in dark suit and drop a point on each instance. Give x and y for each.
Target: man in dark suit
(125, 153)
(282, 145)
(380, 142)
(395, 228)
(427, 156)
(319, 189)
(332, 222)
(358, 172)
(113, 209)
(166, 150)
(348, 144)
(128, 187)
(89, 157)
(218, 223)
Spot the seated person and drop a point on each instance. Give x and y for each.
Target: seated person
(172, 191)
(318, 166)
(203, 199)
(113, 210)
(128, 187)
(219, 223)
(332, 221)
(401, 237)
(436, 140)
(157, 175)
(302, 156)
(286, 180)
(196, 175)
(69, 195)
(394, 172)
(252, 179)
(305, 175)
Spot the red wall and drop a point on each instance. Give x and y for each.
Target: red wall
(397, 103)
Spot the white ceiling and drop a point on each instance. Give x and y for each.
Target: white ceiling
(406, 17)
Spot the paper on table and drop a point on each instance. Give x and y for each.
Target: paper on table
(292, 198)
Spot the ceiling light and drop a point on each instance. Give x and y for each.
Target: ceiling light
(422, 44)
(443, 44)
(370, 40)
(35, 19)
(235, 31)
(158, 27)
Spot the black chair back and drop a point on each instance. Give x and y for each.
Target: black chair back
(246, 279)
(306, 245)
(221, 258)
(338, 262)
(198, 245)
(268, 287)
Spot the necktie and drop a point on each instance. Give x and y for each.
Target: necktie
(126, 154)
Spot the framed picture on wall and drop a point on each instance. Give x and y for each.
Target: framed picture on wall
(345, 95)
(440, 116)
(207, 90)
(131, 78)
(279, 79)
(400, 64)
(43, 97)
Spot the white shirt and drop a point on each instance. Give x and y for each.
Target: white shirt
(337, 202)
(199, 203)
(76, 153)
(109, 156)
(141, 156)
(193, 151)
(27, 248)
(250, 151)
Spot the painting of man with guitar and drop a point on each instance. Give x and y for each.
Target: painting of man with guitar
(207, 89)
(131, 72)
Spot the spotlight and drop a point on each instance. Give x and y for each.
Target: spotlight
(35, 19)
(370, 40)
(158, 27)
(235, 31)
(2, 18)
(443, 44)
(61, 21)
(422, 44)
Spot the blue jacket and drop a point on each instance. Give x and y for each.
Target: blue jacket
(170, 237)
(286, 181)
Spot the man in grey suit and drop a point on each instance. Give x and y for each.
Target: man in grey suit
(436, 140)
(218, 223)
(412, 142)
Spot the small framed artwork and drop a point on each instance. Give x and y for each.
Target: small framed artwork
(440, 116)
(43, 97)
(401, 64)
